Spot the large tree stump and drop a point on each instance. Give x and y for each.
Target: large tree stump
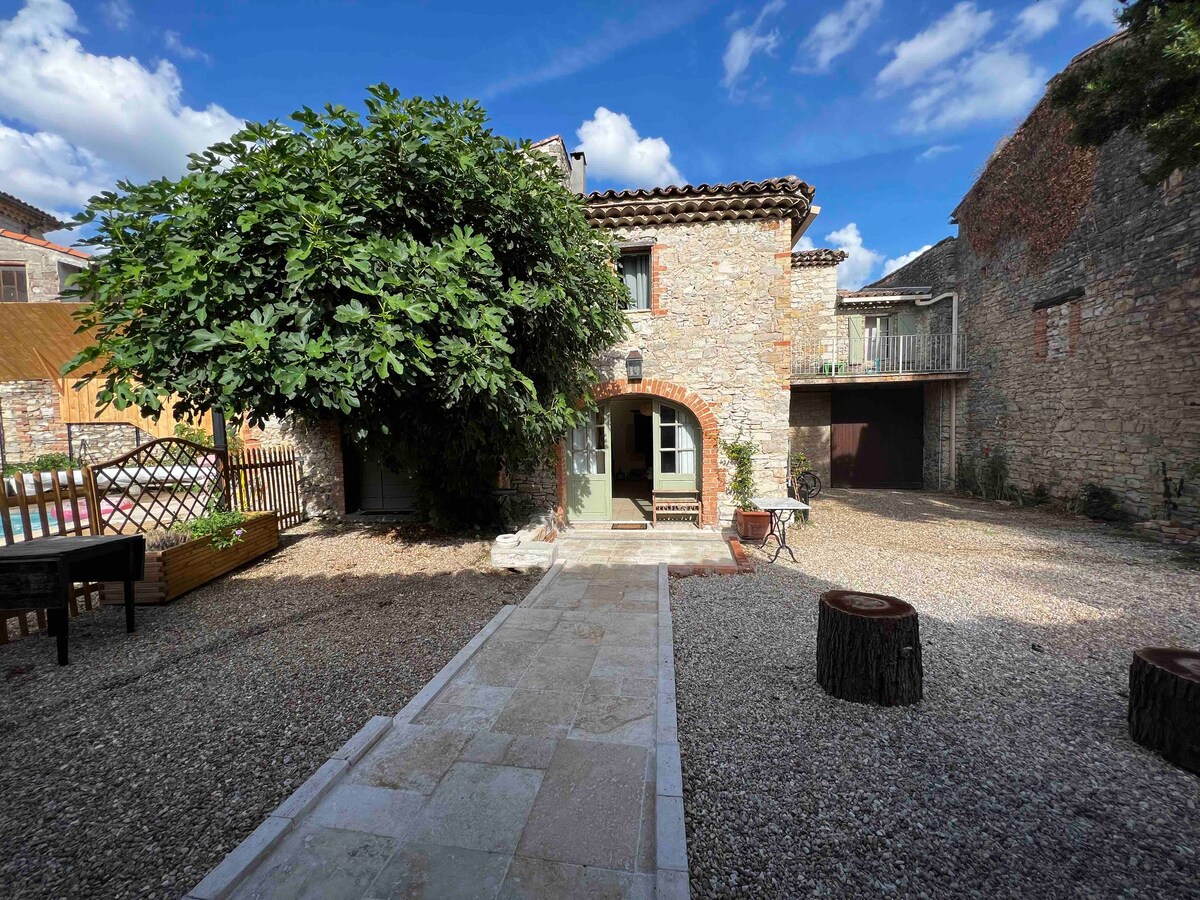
(1164, 703)
(868, 648)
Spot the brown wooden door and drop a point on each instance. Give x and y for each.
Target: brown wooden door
(877, 437)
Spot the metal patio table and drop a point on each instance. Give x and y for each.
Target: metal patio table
(39, 574)
(781, 509)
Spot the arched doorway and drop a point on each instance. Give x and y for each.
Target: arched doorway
(641, 437)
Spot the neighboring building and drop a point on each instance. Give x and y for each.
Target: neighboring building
(32, 269)
(1078, 288)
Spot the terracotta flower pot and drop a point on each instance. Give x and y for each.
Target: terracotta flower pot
(752, 525)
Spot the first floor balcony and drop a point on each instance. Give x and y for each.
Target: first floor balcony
(898, 357)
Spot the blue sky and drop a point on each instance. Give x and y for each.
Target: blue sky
(889, 108)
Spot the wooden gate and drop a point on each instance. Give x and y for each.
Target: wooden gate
(877, 437)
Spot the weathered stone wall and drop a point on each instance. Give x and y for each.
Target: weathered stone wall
(41, 267)
(809, 416)
(29, 417)
(93, 442)
(720, 325)
(1104, 386)
(322, 468)
(937, 469)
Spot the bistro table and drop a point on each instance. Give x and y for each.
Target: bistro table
(39, 574)
(781, 509)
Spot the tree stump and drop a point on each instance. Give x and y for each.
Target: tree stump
(868, 648)
(1164, 703)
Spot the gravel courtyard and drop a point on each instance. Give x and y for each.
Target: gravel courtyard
(134, 770)
(1015, 777)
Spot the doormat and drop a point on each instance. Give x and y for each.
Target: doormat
(629, 526)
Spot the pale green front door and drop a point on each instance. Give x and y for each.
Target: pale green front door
(676, 458)
(589, 479)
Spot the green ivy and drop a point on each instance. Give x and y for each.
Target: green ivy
(741, 487)
(432, 286)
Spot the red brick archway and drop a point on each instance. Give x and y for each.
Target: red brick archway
(665, 390)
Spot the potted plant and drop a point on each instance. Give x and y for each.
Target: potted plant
(752, 523)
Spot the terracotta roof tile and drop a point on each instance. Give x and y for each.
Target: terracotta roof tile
(774, 198)
(821, 256)
(24, 238)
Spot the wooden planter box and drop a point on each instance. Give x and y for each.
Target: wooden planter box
(177, 570)
(752, 525)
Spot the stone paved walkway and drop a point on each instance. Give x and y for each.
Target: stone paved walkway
(543, 762)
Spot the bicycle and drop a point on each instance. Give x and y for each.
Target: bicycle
(807, 484)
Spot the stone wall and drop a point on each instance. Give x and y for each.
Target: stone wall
(809, 417)
(93, 442)
(322, 468)
(42, 267)
(937, 470)
(29, 417)
(721, 325)
(1083, 336)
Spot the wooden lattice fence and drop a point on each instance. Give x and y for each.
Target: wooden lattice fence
(267, 479)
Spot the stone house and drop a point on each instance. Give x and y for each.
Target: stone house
(734, 331)
(1078, 293)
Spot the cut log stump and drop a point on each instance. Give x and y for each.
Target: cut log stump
(1164, 703)
(868, 648)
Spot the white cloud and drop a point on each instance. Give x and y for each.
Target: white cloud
(614, 36)
(860, 266)
(745, 42)
(616, 151)
(111, 107)
(1098, 12)
(1037, 19)
(946, 39)
(175, 44)
(45, 170)
(899, 262)
(118, 12)
(937, 150)
(836, 33)
(996, 83)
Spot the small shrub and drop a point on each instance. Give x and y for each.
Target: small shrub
(741, 486)
(988, 479)
(221, 526)
(47, 462)
(1039, 496)
(1098, 502)
(164, 540)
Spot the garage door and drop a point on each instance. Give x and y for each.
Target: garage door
(877, 437)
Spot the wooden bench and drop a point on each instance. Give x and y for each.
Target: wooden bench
(676, 503)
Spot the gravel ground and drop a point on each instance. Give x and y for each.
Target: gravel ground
(1015, 777)
(134, 770)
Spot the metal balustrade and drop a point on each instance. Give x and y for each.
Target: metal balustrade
(898, 354)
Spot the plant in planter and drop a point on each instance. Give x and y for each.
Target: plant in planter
(752, 523)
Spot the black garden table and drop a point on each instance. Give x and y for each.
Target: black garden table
(38, 574)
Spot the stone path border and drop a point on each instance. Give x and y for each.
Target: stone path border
(671, 864)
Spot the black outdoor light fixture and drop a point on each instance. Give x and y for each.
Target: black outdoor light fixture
(633, 366)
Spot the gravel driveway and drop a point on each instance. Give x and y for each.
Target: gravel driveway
(134, 770)
(1015, 777)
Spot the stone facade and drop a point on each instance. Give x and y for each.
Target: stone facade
(30, 424)
(322, 466)
(722, 317)
(1083, 341)
(93, 442)
(46, 268)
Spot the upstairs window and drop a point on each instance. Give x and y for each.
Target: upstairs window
(13, 287)
(65, 271)
(635, 270)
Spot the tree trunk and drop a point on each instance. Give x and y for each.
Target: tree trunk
(1164, 703)
(868, 648)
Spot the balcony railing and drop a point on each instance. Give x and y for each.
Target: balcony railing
(900, 354)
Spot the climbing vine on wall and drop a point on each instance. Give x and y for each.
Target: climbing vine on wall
(1035, 189)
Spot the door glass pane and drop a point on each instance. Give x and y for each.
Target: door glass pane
(598, 462)
(687, 462)
(667, 462)
(599, 437)
(666, 438)
(666, 414)
(686, 439)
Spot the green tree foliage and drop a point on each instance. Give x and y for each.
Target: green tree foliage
(428, 283)
(1148, 81)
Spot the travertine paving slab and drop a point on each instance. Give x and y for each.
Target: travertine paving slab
(528, 768)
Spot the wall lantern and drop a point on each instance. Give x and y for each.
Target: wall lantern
(633, 366)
